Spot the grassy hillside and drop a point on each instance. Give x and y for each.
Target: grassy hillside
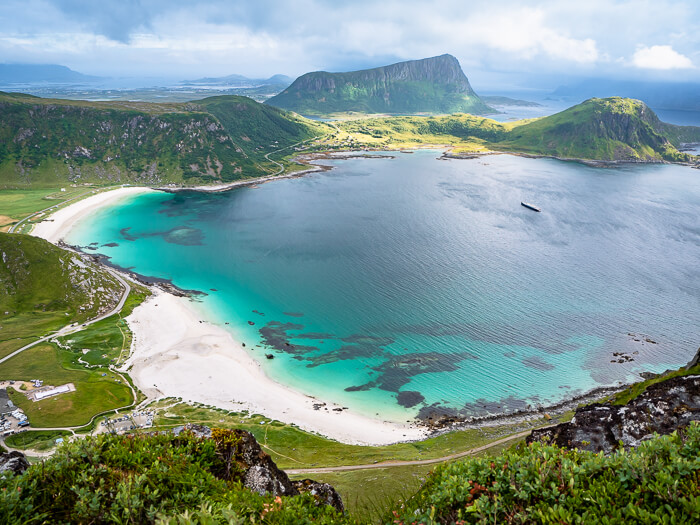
(45, 142)
(151, 479)
(460, 132)
(602, 129)
(431, 85)
(613, 129)
(43, 288)
(48, 143)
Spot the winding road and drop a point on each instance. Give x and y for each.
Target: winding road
(72, 328)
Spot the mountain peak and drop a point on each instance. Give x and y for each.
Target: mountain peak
(428, 85)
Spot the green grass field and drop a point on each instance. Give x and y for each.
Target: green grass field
(36, 439)
(94, 393)
(367, 494)
(16, 204)
(292, 447)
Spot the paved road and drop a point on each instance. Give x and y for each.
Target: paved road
(70, 329)
(280, 165)
(388, 464)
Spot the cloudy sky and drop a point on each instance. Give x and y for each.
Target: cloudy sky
(493, 39)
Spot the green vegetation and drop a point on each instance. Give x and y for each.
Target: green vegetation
(17, 204)
(291, 447)
(658, 482)
(183, 479)
(169, 479)
(461, 132)
(432, 85)
(258, 129)
(46, 142)
(43, 288)
(602, 129)
(613, 129)
(94, 393)
(36, 439)
(108, 341)
(635, 389)
(367, 494)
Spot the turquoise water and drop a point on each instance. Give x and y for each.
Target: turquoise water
(406, 285)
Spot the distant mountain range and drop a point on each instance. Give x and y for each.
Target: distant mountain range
(26, 73)
(662, 95)
(241, 81)
(432, 85)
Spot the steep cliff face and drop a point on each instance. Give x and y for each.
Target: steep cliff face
(430, 85)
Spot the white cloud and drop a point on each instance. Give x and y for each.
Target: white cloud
(660, 57)
(219, 37)
(526, 34)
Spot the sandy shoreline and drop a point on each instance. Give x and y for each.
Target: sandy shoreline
(63, 220)
(176, 355)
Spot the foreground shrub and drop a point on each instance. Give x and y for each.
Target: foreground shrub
(144, 479)
(655, 483)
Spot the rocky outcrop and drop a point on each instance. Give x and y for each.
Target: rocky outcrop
(323, 493)
(13, 462)
(663, 408)
(244, 459)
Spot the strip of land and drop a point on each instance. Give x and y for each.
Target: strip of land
(388, 464)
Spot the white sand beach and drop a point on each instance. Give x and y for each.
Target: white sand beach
(175, 354)
(61, 222)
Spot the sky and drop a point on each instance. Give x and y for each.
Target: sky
(527, 42)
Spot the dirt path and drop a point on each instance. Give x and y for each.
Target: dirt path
(389, 464)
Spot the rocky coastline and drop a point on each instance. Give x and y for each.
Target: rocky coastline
(662, 408)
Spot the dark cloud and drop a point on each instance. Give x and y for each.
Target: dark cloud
(116, 20)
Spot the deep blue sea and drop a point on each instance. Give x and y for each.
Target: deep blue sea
(400, 285)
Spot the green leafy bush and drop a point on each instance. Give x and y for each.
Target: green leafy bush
(143, 479)
(655, 483)
(181, 480)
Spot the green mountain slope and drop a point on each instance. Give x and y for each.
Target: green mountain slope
(43, 288)
(611, 129)
(431, 85)
(45, 141)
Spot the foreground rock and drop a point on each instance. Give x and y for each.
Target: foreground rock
(663, 408)
(14, 462)
(259, 473)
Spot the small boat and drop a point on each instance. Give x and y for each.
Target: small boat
(530, 206)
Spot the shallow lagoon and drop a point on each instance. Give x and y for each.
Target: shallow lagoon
(396, 285)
